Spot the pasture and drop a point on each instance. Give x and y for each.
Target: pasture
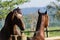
(50, 34)
(54, 33)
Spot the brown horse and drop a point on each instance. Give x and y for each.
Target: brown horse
(12, 21)
(41, 24)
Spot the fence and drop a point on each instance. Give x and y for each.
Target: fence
(51, 31)
(47, 31)
(17, 37)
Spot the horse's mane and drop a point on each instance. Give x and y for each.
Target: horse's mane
(9, 16)
(9, 28)
(38, 22)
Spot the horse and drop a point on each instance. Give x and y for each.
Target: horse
(42, 23)
(12, 22)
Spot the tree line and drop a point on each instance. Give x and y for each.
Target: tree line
(7, 6)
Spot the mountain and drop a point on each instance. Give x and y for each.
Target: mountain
(51, 12)
(32, 10)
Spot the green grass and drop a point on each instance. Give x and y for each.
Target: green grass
(55, 33)
(54, 28)
(50, 34)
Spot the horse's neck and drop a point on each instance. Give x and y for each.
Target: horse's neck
(38, 23)
(39, 29)
(6, 32)
(7, 29)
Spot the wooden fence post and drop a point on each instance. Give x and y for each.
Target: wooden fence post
(47, 32)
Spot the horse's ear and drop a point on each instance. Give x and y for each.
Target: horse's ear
(39, 11)
(17, 7)
(46, 12)
(11, 12)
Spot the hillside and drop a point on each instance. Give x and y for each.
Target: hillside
(31, 14)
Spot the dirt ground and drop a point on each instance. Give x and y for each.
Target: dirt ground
(53, 38)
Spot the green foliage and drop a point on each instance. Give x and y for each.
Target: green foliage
(58, 0)
(57, 6)
(12, 2)
(57, 15)
(7, 6)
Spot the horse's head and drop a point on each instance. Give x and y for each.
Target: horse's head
(17, 18)
(44, 17)
(42, 13)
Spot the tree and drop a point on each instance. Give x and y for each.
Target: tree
(7, 6)
(57, 7)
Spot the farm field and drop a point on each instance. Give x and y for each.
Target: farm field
(55, 33)
(50, 34)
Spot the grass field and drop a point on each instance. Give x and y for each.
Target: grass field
(55, 33)
(50, 34)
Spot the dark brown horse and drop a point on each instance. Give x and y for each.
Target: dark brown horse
(41, 24)
(12, 21)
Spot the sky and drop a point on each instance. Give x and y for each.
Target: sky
(36, 3)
